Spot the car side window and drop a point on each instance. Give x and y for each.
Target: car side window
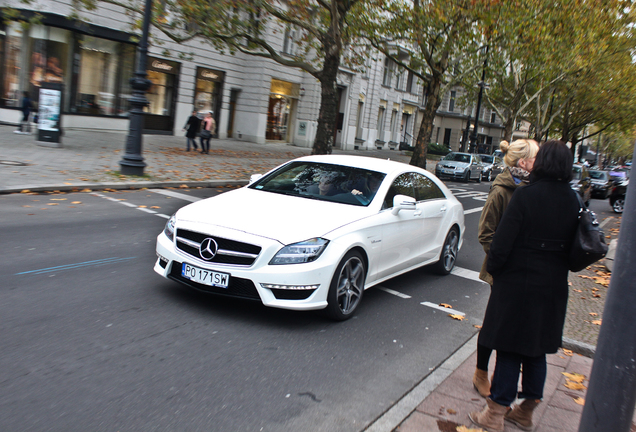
(402, 185)
(425, 188)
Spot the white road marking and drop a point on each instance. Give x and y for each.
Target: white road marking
(147, 210)
(163, 216)
(474, 210)
(127, 204)
(470, 194)
(395, 293)
(467, 274)
(442, 308)
(174, 194)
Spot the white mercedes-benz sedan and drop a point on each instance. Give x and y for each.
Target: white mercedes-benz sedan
(314, 233)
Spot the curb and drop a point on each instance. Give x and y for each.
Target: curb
(582, 348)
(77, 187)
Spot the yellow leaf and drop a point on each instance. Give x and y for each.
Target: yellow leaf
(155, 207)
(25, 191)
(85, 190)
(597, 322)
(142, 206)
(76, 202)
(52, 204)
(451, 411)
(567, 352)
(457, 317)
(593, 314)
(58, 199)
(446, 305)
(574, 386)
(465, 429)
(576, 377)
(579, 400)
(477, 326)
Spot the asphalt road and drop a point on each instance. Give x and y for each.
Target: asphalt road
(93, 340)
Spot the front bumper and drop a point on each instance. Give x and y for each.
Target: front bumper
(455, 174)
(273, 285)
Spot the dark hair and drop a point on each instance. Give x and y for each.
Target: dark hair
(554, 161)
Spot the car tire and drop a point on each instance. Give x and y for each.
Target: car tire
(618, 205)
(479, 178)
(347, 287)
(489, 178)
(448, 254)
(467, 177)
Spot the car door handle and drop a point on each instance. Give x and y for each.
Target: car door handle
(443, 209)
(417, 212)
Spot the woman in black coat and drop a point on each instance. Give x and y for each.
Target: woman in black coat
(192, 125)
(528, 260)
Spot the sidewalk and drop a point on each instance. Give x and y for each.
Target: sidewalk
(442, 401)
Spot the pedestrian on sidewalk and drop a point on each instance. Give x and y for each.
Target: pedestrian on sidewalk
(207, 130)
(528, 260)
(519, 158)
(192, 129)
(27, 104)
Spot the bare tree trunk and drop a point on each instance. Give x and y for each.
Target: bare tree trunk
(327, 114)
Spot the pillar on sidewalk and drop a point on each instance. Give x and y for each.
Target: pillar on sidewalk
(611, 396)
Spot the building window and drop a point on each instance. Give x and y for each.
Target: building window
(447, 137)
(451, 102)
(49, 58)
(12, 65)
(207, 94)
(398, 79)
(97, 81)
(394, 115)
(388, 72)
(282, 104)
(409, 82)
(493, 117)
(163, 75)
(289, 46)
(381, 119)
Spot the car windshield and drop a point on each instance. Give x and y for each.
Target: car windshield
(486, 158)
(325, 182)
(457, 157)
(598, 175)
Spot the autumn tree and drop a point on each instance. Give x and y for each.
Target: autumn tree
(322, 29)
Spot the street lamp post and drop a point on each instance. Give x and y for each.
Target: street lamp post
(482, 84)
(132, 163)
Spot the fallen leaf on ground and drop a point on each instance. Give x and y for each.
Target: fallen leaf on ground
(576, 377)
(593, 314)
(451, 411)
(574, 385)
(142, 206)
(155, 207)
(58, 199)
(446, 305)
(597, 322)
(52, 204)
(76, 202)
(457, 317)
(477, 326)
(579, 400)
(567, 352)
(465, 429)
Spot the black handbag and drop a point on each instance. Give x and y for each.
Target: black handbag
(589, 242)
(205, 134)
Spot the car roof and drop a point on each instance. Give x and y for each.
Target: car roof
(374, 164)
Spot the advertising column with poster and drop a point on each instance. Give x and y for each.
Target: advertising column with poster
(50, 114)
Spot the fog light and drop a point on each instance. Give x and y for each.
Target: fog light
(290, 287)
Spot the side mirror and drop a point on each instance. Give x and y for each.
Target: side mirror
(402, 202)
(255, 177)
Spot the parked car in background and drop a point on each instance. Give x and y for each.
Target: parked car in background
(314, 233)
(617, 196)
(460, 166)
(581, 182)
(493, 166)
(601, 184)
(619, 174)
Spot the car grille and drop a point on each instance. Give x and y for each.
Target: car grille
(238, 287)
(229, 251)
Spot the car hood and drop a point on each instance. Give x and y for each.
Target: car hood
(453, 164)
(287, 219)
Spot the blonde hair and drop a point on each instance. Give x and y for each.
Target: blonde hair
(517, 150)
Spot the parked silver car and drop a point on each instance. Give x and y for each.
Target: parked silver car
(493, 166)
(460, 166)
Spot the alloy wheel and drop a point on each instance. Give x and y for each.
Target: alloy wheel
(350, 285)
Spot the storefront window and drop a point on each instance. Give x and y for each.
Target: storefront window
(11, 72)
(99, 61)
(208, 90)
(126, 72)
(282, 102)
(49, 48)
(162, 74)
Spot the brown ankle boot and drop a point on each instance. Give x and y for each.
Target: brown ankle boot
(521, 415)
(481, 383)
(491, 417)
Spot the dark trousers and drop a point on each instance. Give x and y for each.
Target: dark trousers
(503, 388)
(194, 143)
(205, 144)
(25, 126)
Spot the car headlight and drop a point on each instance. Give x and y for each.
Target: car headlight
(169, 229)
(301, 252)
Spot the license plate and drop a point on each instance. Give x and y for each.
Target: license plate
(205, 277)
(447, 171)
